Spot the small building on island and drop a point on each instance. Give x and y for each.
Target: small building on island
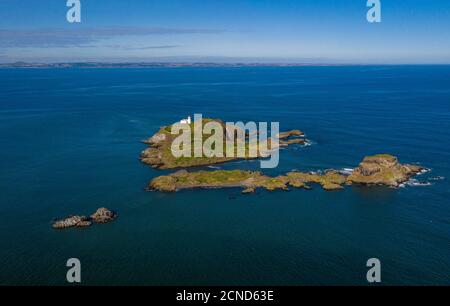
(186, 121)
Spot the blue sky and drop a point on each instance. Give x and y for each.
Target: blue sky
(312, 31)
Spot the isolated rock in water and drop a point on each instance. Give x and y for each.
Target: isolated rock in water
(285, 143)
(332, 186)
(248, 190)
(291, 133)
(103, 215)
(382, 169)
(72, 221)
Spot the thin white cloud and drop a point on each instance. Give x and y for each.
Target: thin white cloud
(139, 47)
(50, 38)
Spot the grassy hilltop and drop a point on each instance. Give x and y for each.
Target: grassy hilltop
(159, 153)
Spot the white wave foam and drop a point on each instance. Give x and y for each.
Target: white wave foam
(214, 167)
(346, 171)
(414, 182)
(308, 143)
(424, 170)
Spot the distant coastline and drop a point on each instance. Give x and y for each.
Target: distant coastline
(93, 65)
(188, 64)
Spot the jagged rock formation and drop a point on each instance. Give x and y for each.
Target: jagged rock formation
(72, 221)
(382, 169)
(102, 215)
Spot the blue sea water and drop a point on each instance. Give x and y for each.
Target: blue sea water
(70, 142)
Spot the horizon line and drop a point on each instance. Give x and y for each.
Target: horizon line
(145, 64)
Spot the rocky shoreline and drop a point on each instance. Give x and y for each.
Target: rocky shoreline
(102, 215)
(381, 169)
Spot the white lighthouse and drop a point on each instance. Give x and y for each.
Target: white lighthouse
(186, 121)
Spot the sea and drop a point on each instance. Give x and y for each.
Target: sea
(71, 139)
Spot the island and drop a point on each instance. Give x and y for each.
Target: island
(381, 169)
(101, 215)
(159, 154)
(248, 180)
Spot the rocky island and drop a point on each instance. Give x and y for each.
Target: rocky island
(72, 221)
(248, 180)
(102, 215)
(159, 154)
(381, 169)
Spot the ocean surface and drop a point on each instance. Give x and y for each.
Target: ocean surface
(70, 143)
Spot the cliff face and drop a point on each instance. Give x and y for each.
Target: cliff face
(382, 169)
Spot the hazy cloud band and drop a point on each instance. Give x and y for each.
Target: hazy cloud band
(46, 38)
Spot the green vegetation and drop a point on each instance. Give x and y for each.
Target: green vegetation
(331, 180)
(249, 180)
(202, 179)
(159, 154)
(380, 169)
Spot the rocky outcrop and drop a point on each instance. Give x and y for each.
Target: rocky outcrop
(291, 133)
(291, 137)
(248, 190)
(285, 143)
(103, 215)
(72, 221)
(156, 139)
(382, 169)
